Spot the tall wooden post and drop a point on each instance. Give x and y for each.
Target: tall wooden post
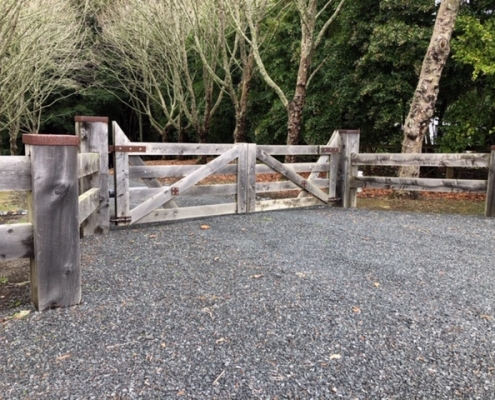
(246, 178)
(490, 191)
(350, 144)
(54, 212)
(93, 137)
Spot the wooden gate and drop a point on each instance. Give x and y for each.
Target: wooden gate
(297, 184)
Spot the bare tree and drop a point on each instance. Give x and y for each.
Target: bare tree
(213, 34)
(311, 38)
(425, 97)
(41, 51)
(146, 51)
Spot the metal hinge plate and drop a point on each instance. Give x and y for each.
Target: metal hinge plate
(127, 149)
(120, 219)
(328, 150)
(334, 198)
(175, 191)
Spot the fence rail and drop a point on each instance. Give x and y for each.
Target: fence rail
(59, 210)
(471, 160)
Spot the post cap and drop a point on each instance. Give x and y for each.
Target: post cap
(80, 118)
(50, 140)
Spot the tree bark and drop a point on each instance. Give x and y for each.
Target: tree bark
(296, 106)
(240, 131)
(425, 97)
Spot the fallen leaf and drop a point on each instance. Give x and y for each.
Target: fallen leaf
(216, 258)
(258, 276)
(152, 236)
(221, 340)
(21, 314)
(335, 357)
(64, 357)
(191, 234)
(486, 317)
(301, 274)
(205, 227)
(355, 309)
(163, 345)
(376, 284)
(181, 392)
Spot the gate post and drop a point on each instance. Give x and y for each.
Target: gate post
(93, 138)
(350, 144)
(246, 178)
(490, 190)
(54, 212)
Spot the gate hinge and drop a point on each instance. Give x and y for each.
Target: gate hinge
(334, 199)
(328, 150)
(126, 149)
(120, 219)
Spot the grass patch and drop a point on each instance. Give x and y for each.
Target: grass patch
(13, 201)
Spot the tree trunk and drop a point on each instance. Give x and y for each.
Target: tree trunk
(13, 134)
(240, 131)
(295, 107)
(425, 97)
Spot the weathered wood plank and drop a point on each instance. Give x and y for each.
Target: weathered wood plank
(87, 164)
(350, 145)
(286, 171)
(93, 135)
(264, 187)
(282, 204)
(160, 198)
(242, 178)
(334, 164)
(423, 159)
(137, 161)
(280, 150)
(17, 241)
(15, 173)
(53, 205)
(180, 171)
(141, 194)
(159, 215)
(88, 203)
(251, 178)
(121, 175)
(422, 184)
(490, 190)
(184, 149)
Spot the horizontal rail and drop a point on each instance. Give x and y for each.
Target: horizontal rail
(173, 214)
(17, 241)
(87, 164)
(280, 150)
(281, 204)
(420, 184)
(88, 203)
(423, 159)
(174, 171)
(15, 173)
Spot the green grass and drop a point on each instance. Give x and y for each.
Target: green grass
(10, 201)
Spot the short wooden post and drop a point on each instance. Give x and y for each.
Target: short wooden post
(350, 144)
(334, 161)
(54, 212)
(93, 137)
(490, 190)
(121, 177)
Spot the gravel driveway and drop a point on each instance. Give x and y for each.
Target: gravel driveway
(311, 304)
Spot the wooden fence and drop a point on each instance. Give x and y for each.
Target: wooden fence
(59, 211)
(468, 160)
(66, 178)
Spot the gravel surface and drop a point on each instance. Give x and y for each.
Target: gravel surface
(309, 304)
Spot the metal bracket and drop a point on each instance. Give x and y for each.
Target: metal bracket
(175, 191)
(120, 219)
(334, 199)
(127, 149)
(304, 184)
(328, 150)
